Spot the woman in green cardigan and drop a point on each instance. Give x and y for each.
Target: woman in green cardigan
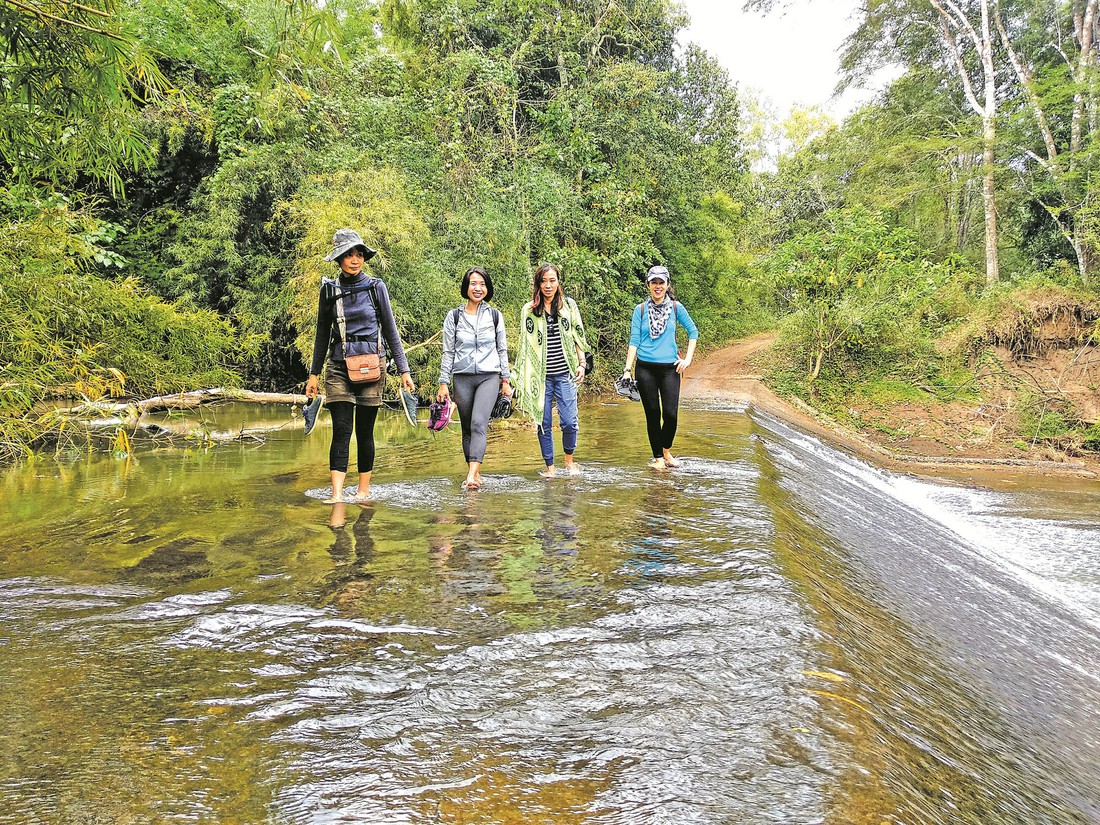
(550, 365)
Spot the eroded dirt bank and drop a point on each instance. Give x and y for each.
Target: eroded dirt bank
(956, 440)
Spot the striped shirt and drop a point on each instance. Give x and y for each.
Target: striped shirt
(555, 357)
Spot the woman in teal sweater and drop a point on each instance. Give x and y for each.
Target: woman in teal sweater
(659, 365)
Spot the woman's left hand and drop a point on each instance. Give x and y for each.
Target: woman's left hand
(407, 382)
(580, 374)
(682, 364)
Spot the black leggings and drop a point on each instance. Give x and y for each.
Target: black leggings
(343, 414)
(659, 387)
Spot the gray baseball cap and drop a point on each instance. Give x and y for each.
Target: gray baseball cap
(657, 273)
(345, 240)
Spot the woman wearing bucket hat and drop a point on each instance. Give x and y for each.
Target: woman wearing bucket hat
(353, 317)
(550, 364)
(658, 364)
(475, 363)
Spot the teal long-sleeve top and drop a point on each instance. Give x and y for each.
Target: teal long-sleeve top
(662, 349)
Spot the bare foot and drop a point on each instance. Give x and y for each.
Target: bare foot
(658, 464)
(573, 469)
(549, 472)
(361, 496)
(670, 461)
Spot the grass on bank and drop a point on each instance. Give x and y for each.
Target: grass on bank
(981, 358)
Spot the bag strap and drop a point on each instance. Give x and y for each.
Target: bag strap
(341, 322)
(456, 313)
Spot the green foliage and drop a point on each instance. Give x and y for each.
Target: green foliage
(67, 333)
(859, 291)
(73, 78)
(496, 133)
(712, 277)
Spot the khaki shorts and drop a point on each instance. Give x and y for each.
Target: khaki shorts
(338, 387)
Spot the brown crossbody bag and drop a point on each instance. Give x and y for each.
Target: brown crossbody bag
(366, 368)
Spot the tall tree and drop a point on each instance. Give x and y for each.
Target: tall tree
(958, 37)
(1044, 87)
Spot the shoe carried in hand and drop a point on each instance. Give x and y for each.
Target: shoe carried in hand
(627, 387)
(439, 415)
(502, 408)
(310, 411)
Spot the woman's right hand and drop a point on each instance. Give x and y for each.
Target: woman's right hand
(444, 394)
(312, 386)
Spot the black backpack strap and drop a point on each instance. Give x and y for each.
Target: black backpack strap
(337, 295)
(456, 313)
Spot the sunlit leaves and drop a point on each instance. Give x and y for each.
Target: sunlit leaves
(65, 333)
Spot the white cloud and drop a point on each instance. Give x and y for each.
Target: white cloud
(790, 55)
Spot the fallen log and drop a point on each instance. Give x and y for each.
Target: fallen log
(172, 430)
(181, 401)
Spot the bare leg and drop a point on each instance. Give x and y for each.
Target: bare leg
(363, 493)
(670, 460)
(337, 487)
(571, 469)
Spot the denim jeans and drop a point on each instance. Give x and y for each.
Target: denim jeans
(562, 389)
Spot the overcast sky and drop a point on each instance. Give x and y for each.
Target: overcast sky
(757, 49)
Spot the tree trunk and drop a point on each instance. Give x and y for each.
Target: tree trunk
(1086, 257)
(989, 139)
(956, 29)
(989, 200)
(816, 369)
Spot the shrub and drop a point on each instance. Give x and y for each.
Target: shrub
(859, 291)
(67, 333)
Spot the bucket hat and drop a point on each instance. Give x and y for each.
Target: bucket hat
(658, 273)
(309, 412)
(345, 240)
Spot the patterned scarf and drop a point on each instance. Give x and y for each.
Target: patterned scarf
(658, 316)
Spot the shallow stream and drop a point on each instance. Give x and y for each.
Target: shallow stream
(775, 633)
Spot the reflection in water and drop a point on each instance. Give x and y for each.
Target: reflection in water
(654, 544)
(773, 634)
(351, 551)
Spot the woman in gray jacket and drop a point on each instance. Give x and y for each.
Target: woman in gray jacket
(475, 361)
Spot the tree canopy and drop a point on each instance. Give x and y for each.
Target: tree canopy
(197, 156)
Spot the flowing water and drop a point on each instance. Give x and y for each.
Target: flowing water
(775, 633)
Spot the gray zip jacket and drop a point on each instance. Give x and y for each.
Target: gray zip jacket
(476, 346)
